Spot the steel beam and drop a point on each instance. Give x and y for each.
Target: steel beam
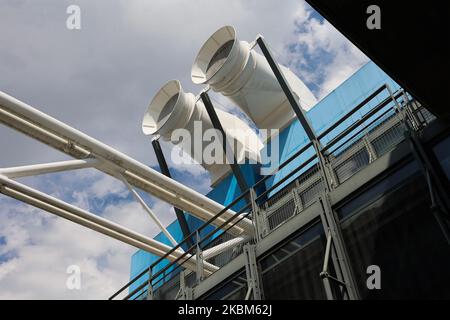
(44, 168)
(67, 211)
(438, 193)
(287, 89)
(60, 136)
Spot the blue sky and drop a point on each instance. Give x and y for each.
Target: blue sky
(99, 80)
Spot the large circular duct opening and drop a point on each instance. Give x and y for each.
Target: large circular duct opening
(213, 54)
(161, 108)
(219, 58)
(167, 109)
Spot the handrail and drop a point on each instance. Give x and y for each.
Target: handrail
(358, 132)
(356, 124)
(351, 112)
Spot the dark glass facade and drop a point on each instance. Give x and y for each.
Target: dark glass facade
(234, 288)
(292, 270)
(392, 226)
(442, 153)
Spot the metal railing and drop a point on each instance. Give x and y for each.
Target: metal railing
(176, 264)
(374, 134)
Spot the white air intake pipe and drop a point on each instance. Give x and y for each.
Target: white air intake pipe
(172, 109)
(232, 68)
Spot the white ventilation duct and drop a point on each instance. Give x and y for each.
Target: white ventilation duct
(232, 68)
(172, 108)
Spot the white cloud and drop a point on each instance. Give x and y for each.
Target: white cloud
(45, 245)
(337, 57)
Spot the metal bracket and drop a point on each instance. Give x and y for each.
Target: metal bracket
(185, 293)
(150, 287)
(259, 217)
(337, 252)
(199, 260)
(370, 149)
(325, 275)
(301, 115)
(297, 200)
(397, 106)
(411, 113)
(324, 168)
(252, 273)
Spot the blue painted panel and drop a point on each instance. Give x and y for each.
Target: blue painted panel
(328, 111)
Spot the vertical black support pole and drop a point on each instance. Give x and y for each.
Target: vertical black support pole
(165, 171)
(295, 106)
(218, 126)
(287, 90)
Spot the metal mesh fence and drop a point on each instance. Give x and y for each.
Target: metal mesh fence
(375, 141)
(282, 213)
(301, 193)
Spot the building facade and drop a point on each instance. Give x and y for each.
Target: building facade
(364, 215)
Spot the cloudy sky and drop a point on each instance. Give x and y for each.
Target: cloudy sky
(99, 80)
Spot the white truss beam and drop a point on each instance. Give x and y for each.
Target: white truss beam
(44, 168)
(56, 134)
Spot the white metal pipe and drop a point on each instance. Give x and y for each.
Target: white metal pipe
(220, 248)
(247, 295)
(43, 168)
(41, 200)
(37, 132)
(149, 211)
(39, 125)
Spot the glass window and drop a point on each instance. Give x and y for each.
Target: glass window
(396, 230)
(292, 270)
(234, 288)
(378, 190)
(442, 152)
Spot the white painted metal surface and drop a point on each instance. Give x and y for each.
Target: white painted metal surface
(149, 211)
(172, 109)
(44, 168)
(222, 247)
(234, 69)
(40, 126)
